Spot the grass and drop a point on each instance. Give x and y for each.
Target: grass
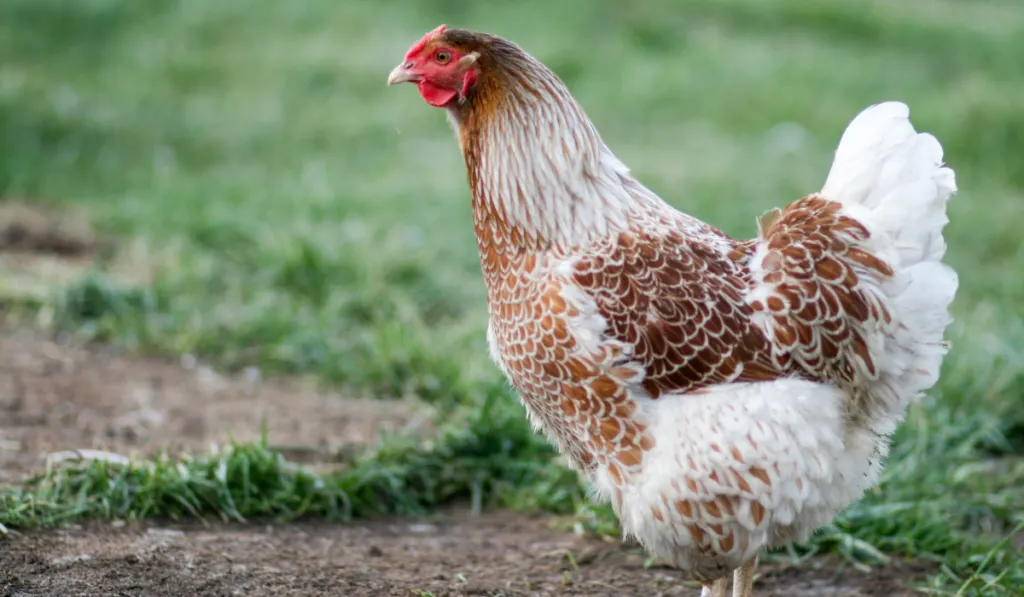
(297, 216)
(493, 463)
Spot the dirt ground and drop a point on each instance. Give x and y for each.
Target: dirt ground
(454, 555)
(55, 397)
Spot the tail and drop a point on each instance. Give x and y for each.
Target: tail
(891, 179)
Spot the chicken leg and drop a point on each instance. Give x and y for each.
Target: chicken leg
(743, 580)
(716, 589)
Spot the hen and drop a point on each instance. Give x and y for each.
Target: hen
(725, 396)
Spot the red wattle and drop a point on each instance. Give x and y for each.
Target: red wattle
(435, 95)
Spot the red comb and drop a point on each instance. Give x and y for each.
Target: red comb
(418, 46)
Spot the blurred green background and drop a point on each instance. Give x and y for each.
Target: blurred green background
(301, 216)
(275, 205)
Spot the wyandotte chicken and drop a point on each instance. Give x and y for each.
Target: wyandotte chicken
(724, 395)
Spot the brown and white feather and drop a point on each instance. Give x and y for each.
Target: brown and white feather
(725, 395)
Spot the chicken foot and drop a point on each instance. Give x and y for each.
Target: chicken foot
(743, 580)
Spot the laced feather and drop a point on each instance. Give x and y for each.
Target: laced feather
(724, 395)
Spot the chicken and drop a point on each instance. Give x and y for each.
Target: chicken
(725, 396)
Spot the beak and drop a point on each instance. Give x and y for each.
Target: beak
(401, 74)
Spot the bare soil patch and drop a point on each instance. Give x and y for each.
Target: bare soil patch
(34, 228)
(58, 398)
(452, 555)
(42, 248)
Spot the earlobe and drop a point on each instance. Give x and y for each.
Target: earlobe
(469, 77)
(468, 60)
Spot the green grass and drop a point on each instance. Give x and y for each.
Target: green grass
(494, 463)
(301, 217)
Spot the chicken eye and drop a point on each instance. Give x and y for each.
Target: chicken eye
(443, 57)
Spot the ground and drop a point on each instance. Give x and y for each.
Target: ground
(495, 554)
(56, 397)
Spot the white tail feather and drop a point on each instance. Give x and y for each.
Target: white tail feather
(891, 179)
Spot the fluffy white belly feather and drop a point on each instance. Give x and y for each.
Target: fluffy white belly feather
(740, 467)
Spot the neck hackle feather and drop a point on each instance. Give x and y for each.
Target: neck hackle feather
(540, 174)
